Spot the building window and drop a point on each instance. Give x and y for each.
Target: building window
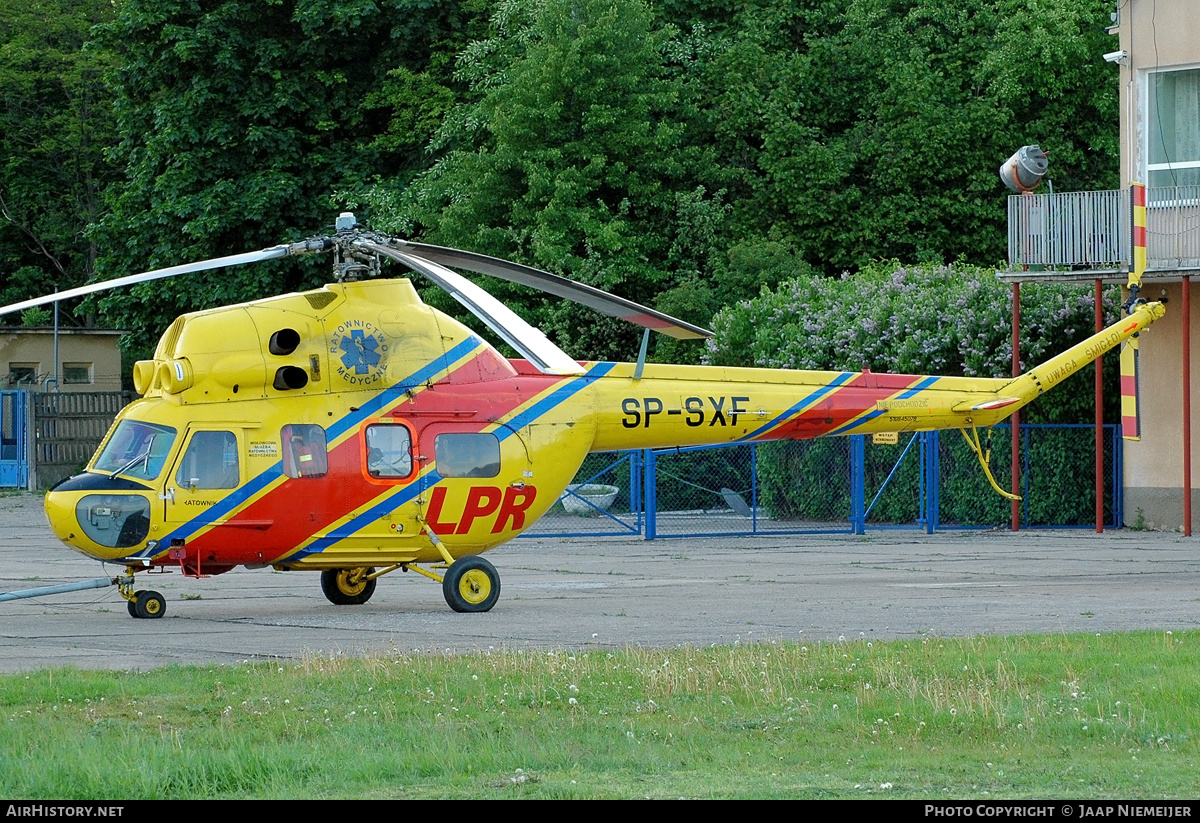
(1173, 128)
(77, 373)
(22, 375)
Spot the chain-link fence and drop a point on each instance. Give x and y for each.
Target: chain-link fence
(605, 498)
(925, 480)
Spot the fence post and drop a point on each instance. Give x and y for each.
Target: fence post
(635, 488)
(858, 483)
(30, 441)
(1118, 484)
(650, 486)
(754, 488)
(930, 478)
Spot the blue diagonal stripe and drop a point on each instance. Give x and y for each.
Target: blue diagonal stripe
(381, 507)
(231, 502)
(542, 407)
(924, 384)
(807, 401)
(560, 395)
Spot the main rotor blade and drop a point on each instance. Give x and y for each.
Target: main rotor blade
(562, 287)
(529, 341)
(170, 271)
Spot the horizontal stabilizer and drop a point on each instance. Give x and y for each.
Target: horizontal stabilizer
(987, 405)
(1131, 424)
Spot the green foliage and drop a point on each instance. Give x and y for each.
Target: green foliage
(571, 154)
(56, 122)
(867, 129)
(683, 155)
(238, 122)
(890, 317)
(952, 320)
(39, 316)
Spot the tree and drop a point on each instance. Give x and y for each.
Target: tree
(870, 129)
(240, 123)
(573, 155)
(55, 125)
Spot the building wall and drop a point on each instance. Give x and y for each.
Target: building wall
(36, 347)
(1156, 34)
(1153, 468)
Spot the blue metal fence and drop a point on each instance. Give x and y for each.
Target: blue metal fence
(14, 439)
(839, 485)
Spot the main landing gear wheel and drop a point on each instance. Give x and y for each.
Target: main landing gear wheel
(471, 584)
(347, 587)
(132, 604)
(150, 605)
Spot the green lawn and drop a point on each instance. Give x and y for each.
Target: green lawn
(1088, 716)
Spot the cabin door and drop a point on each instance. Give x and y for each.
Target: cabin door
(208, 469)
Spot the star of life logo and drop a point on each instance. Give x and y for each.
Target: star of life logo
(358, 351)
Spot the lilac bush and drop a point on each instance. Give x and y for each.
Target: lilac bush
(923, 319)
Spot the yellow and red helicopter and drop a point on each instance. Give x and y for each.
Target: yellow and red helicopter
(354, 430)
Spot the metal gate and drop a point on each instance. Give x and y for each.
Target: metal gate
(14, 439)
(68, 426)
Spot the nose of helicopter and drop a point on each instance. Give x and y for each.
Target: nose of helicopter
(103, 523)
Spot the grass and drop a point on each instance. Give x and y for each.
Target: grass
(1088, 716)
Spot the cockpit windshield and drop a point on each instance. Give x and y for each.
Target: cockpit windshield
(136, 449)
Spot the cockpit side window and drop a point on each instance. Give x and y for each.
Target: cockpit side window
(210, 462)
(305, 451)
(389, 451)
(136, 449)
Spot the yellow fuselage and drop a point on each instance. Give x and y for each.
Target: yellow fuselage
(340, 428)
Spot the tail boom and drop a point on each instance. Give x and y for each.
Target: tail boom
(671, 406)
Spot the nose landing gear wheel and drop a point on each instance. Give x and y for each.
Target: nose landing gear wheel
(150, 605)
(347, 587)
(471, 584)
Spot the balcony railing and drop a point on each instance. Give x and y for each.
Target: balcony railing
(1090, 230)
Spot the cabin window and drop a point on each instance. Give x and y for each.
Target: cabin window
(389, 451)
(467, 455)
(305, 452)
(136, 449)
(210, 462)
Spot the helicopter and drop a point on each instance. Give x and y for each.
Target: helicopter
(355, 431)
